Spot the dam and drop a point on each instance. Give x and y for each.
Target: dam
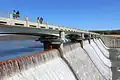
(88, 56)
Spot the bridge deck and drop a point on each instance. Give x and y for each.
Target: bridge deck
(13, 23)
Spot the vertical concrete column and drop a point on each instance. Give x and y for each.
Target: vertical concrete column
(38, 22)
(61, 46)
(62, 36)
(81, 41)
(26, 22)
(89, 37)
(94, 36)
(10, 16)
(82, 34)
(10, 21)
(114, 42)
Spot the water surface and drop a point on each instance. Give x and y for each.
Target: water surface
(17, 48)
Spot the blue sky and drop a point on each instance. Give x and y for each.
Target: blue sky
(82, 14)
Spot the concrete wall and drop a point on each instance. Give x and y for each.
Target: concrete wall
(112, 42)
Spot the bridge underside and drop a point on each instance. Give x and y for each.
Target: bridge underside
(15, 33)
(14, 29)
(32, 33)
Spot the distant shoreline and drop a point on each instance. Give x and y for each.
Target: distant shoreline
(114, 35)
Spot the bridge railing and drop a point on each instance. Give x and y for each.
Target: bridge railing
(27, 23)
(6, 19)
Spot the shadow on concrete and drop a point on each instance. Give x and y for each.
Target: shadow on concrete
(115, 59)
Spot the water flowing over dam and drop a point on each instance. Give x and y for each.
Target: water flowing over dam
(88, 60)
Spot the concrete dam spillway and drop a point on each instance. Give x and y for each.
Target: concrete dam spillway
(88, 60)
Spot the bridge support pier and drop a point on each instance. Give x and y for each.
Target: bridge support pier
(51, 45)
(53, 42)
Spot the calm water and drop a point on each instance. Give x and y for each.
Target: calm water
(14, 49)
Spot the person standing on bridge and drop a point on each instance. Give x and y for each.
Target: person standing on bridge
(14, 14)
(17, 14)
(41, 20)
(38, 20)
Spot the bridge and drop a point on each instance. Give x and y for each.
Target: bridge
(86, 57)
(48, 34)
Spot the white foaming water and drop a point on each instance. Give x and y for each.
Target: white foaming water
(55, 69)
(103, 44)
(80, 62)
(100, 54)
(99, 64)
(105, 51)
(49, 66)
(41, 66)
